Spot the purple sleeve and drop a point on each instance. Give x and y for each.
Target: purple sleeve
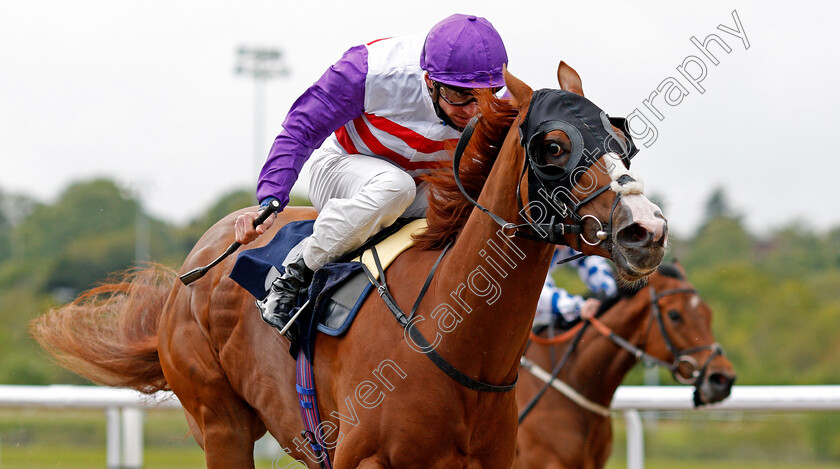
(335, 99)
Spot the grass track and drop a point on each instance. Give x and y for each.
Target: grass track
(75, 439)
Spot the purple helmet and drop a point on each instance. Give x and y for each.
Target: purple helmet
(464, 51)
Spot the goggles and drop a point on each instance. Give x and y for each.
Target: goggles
(458, 96)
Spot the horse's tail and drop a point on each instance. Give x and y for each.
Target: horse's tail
(109, 334)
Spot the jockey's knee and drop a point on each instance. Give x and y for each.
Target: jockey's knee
(395, 190)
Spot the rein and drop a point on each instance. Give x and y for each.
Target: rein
(564, 388)
(680, 356)
(534, 400)
(551, 232)
(416, 336)
(557, 339)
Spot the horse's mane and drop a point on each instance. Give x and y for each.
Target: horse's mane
(670, 270)
(448, 208)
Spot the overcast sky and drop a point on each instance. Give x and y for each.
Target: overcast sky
(145, 91)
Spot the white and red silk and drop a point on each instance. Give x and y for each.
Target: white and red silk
(376, 103)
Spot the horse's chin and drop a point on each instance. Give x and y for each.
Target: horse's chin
(705, 393)
(630, 275)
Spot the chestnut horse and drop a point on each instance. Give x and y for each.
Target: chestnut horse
(667, 320)
(382, 403)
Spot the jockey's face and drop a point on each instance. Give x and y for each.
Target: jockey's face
(457, 103)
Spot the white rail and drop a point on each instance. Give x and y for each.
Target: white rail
(123, 413)
(124, 409)
(780, 398)
(632, 399)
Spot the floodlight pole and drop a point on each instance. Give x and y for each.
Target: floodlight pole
(261, 64)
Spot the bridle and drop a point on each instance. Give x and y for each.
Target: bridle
(591, 136)
(538, 231)
(551, 232)
(681, 356)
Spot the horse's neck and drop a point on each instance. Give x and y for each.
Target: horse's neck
(599, 366)
(493, 283)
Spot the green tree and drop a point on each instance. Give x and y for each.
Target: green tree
(227, 204)
(13, 209)
(722, 236)
(84, 209)
(90, 232)
(718, 205)
(795, 251)
(720, 240)
(86, 261)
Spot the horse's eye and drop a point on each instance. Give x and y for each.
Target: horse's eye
(674, 316)
(555, 152)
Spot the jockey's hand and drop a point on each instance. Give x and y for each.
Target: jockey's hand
(589, 308)
(244, 227)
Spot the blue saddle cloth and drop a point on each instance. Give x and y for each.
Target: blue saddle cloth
(331, 315)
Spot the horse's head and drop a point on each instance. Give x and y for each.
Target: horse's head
(579, 190)
(681, 333)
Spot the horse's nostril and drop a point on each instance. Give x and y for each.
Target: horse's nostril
(721, 380)
(664, 238)
(634, 234)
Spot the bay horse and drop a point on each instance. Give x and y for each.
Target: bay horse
(383, 404)
(666, 319)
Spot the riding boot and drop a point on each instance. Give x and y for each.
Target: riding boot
(276, 307)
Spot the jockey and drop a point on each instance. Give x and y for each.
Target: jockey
(373, 123)
(559, 307)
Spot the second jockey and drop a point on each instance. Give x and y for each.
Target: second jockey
(559, 307)
(373, 123)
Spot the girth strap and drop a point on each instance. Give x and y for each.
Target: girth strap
(305, 387)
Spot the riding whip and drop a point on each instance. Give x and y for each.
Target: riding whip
(199, 272)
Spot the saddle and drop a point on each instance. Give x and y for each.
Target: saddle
(337, 290)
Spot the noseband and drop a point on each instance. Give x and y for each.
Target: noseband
(680, 356)
(685, 355)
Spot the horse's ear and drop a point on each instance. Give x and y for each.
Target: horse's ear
(569, 79)
(519, 91)
(679, 267)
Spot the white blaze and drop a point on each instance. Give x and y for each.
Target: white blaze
(642, 210)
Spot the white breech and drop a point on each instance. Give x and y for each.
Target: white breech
(356, 196)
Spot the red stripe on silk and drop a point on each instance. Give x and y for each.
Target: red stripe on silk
(377, 40)
(345, 141)
(376, 146)
(423, 165)
(410, 137)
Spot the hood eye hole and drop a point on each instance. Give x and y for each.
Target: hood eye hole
(556, 149)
